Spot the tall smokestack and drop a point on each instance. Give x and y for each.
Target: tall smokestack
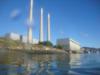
(41, 26)
(30, 40)
(49, 33)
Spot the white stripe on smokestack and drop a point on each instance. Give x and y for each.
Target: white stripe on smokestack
(41, 26)
(49, 33)
(30, 40)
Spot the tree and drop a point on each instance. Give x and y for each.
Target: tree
(46, 43)
(40, 43)
(59, 47)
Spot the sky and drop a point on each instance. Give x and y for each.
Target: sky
(76, 19)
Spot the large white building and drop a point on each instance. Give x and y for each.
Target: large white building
(13, 36)
(18, 37)
(69, 44)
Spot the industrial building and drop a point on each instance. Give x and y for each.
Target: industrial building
(30, 30)
(13, 36)
(69, 44)
(29, 37)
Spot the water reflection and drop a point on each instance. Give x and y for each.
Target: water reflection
(48, 64)
(20, 63)
(75, 60)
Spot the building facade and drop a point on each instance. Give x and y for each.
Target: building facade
(69, 44)
(13, 36)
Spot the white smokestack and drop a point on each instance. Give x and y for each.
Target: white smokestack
(30, 39)
(41, 26)
(31, 12)
(49, 33)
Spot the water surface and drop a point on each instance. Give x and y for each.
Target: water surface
(21, 63)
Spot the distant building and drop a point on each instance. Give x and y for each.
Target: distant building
(90, 50)
(13, 36)
(69, 44)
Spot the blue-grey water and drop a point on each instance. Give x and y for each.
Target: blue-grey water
(21, 63)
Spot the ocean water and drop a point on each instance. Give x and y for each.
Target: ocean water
(21, 63)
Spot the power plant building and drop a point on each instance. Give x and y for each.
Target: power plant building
(13, 36)
(69, 44)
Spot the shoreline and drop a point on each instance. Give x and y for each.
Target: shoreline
(39, 51)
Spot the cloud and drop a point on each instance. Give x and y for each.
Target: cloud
(62, 33)
(15, 14)
(84, 34)
(27, 23)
